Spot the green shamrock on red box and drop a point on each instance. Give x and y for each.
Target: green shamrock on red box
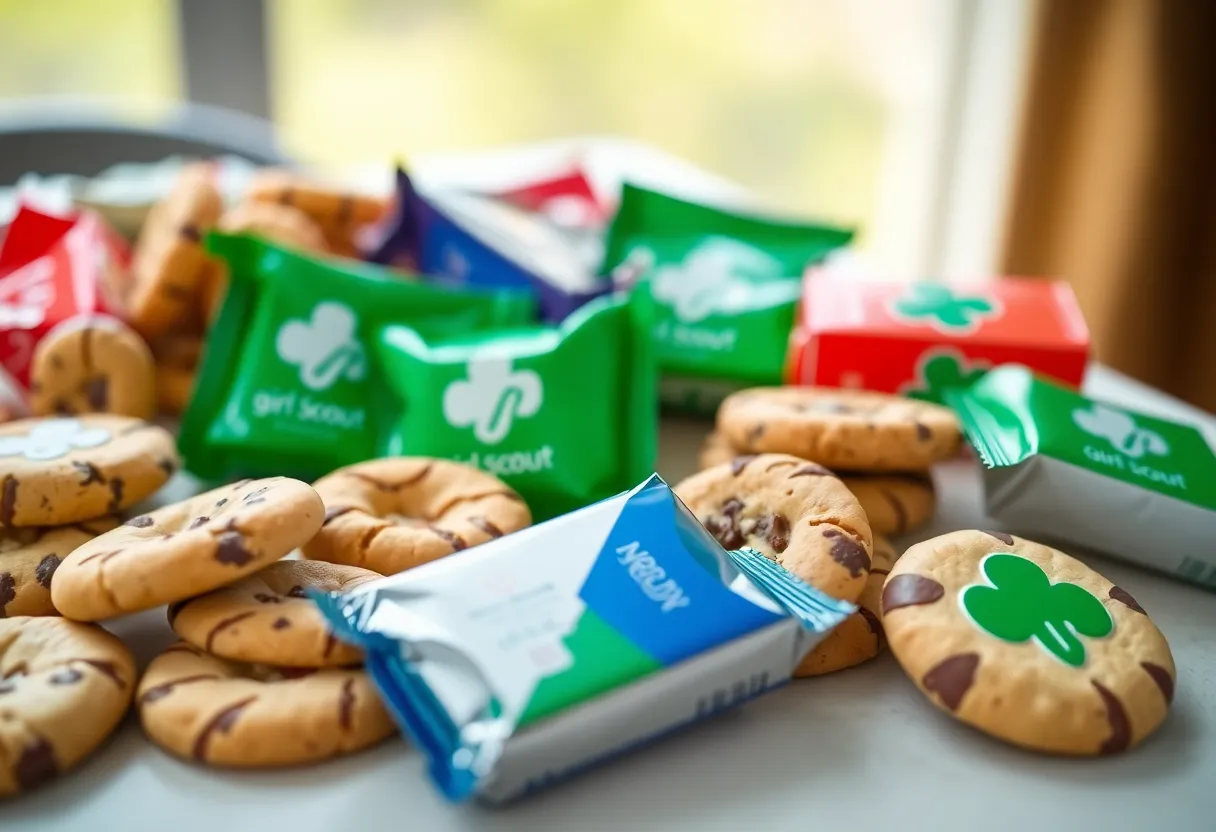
(938, 372)
(943, 308)
(1019, 603)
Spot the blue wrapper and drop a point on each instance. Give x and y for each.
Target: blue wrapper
(535, 655)
(462, 239)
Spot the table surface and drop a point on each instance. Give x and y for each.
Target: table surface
(860, 749)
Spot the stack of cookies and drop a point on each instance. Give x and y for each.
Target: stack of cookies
(258, 679)
(174, 291)
(857, 460)
(881, 446)
(64, 686)
(64, 480)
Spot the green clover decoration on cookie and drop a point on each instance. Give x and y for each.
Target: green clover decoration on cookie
(938, 372)
(1018, 603)
(940, 307)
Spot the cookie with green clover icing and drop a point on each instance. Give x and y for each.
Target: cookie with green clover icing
(1027, 644)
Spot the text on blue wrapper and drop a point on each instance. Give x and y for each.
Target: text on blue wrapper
(651, 578)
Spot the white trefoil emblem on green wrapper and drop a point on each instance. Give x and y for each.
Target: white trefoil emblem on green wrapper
(1120, 430)
(492, 397)
(711, 278)
(324, 348)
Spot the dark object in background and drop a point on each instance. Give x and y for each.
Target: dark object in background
(83, 138)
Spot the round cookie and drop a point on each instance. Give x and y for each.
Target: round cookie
(169, 263)
(29, 558)
(277, 221)
(1027, 644)
(337, 213)
(64, 687)
(392, 514)
(92, 364)
(177, 360)
(793, 511)
(847, 430)
(273, 221)
(268, 619)
(187, 548)
(60, 471)
(222, 713)
(715, 450)
(894, 503)
(174, 388)
(859, 637)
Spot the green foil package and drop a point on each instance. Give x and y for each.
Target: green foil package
(565, 414)
(1067, 468)
(287, 385)
(725, 287)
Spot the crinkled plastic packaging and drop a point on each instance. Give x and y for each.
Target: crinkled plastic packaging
(1063, 467)
(54, 268)
(725, 286)
(564, 414)
(286, 384)
(535, 655)
(466, 240)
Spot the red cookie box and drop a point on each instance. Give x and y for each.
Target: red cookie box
(53, 268)
(918, 338)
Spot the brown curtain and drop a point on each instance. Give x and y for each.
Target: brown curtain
(1115, 184)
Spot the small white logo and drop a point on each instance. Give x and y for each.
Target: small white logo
(324, 348)
(492, 398)
(1120, 430)
(26, 294)
(715, 276)
(53, 438)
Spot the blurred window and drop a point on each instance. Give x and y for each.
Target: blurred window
(896, 115)
(125, 49)
(794, 98)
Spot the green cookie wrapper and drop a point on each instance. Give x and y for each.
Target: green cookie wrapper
(1060, 466)
(565, 414)
(287, 385)
(725, 287)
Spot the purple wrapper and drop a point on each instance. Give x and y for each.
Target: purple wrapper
(461, 239)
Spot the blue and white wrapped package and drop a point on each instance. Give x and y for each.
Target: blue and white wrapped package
(532, 656)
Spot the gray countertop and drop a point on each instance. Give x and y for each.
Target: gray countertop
(857, 750)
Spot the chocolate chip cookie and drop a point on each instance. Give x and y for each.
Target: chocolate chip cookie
(1027, 644)
(220, 713)
(64, 686)
(177, 358)
(272, 221)
(859, 637)
(28, 560)
(60, 471)
(338, 213)
(894, 503)
(795, 512)
(169, 263)
(268, 618)
(186, 548)
(846, 430)
(391, 514)
(92, 364)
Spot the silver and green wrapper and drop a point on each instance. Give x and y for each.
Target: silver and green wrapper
(1063, 467)
(533, 656)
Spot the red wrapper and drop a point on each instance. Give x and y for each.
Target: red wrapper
(51, 269)
(918, 339)
(566, 200)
